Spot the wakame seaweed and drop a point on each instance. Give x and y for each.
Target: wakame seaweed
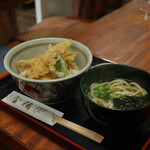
(131, 102)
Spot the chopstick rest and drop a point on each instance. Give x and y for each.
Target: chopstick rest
(47, 114)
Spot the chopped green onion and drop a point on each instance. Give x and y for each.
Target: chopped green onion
(61, 67)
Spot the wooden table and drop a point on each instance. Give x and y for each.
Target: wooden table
(122, 36)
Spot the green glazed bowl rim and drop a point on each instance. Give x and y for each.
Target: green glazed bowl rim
(112, 109)
(37, 41)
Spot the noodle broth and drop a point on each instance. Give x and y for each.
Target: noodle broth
(116, 110)
(119, 94)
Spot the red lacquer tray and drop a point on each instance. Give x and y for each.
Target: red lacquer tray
(74, 111)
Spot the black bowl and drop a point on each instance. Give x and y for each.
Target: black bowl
(108, 72)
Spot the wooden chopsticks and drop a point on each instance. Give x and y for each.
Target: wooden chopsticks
(79, 129)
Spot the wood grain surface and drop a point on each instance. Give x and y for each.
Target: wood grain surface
(122, 36)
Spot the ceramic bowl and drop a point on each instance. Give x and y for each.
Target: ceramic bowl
(47, 91)
(108, 72)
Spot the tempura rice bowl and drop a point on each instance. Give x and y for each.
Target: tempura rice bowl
(47, 91)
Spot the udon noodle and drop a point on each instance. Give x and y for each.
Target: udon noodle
(105, 93)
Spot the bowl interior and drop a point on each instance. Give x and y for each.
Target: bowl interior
(109, 72)
(35, 48)
(115, 117)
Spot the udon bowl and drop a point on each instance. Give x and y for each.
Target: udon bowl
(110, 116)
(47, 91)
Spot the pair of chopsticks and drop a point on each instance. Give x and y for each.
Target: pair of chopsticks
(79, 129)
(47, 114)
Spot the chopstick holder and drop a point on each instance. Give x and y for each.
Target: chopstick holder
(32, 107)
(47, 114)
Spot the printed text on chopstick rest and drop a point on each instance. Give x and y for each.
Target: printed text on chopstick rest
(14, 99)
(39, 109)
(26, 104)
